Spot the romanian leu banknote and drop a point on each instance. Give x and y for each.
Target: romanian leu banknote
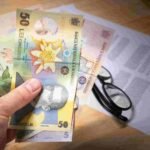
(48, 48)
(96, 41)
(7, 45)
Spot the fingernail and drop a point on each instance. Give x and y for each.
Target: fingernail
(33, 85)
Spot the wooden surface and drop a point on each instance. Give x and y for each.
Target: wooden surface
(132, 13)
(94, 130)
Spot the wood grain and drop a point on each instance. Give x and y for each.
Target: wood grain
(94, 130)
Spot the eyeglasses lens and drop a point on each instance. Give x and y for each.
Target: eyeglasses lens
(117, 96)
(105, 75)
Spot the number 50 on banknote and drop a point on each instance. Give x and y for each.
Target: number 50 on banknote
(47, 48)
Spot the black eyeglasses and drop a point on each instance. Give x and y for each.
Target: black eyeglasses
(112, 98)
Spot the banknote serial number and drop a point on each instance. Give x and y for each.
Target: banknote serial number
(24, 19)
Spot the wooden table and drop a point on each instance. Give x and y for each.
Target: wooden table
(93, 129)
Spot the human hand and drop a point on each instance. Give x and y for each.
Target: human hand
(14, 101)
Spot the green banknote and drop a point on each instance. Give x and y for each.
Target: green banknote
(47, 48)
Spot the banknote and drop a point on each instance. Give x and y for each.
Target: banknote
(48, 48)
(96, 41)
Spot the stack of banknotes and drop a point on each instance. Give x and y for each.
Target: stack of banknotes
(64, 52)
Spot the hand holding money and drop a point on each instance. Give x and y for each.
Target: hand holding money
(48, 48)
(14, 101)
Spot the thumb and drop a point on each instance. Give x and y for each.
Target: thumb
(19, 97)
